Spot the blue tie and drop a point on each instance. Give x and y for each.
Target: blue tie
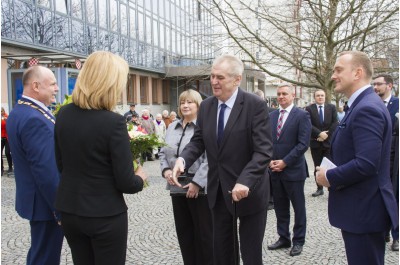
(221, 123)
(321, 115)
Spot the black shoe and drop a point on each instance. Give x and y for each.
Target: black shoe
(279, 244)
(387, 238)
(395, 245)
(150, 159)
(296, 250)
(318, 193)
(270, 206)
(10, 170)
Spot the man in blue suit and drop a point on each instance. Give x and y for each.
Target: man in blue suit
(30, 127)
(361, 201)
(383, 85)
(291, 131)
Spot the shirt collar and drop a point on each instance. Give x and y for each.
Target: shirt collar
(387, 100)
(180, 123)
(37, 102)
(288, 109)
(231, 101)
(356, 94)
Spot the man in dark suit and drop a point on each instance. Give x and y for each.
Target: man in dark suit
(324, 122)
(361, 201)
(383, 85)
(30, 128)
(129, 114)
(234, 130)
(291, 129)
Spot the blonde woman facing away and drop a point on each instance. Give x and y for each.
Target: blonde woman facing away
(95, 162)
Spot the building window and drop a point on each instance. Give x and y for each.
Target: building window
(154, 90)
(165, 91)
(131, 90)
(144, 95)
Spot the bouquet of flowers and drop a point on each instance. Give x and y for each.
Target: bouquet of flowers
(67, 100)
(140, 143)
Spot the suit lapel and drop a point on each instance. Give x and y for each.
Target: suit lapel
(235, 112)
(348, 113)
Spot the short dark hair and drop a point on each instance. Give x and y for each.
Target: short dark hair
(132, 105)
(388, 79)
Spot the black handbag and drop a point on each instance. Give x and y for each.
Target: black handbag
(179, 191)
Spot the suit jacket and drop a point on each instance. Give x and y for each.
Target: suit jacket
(292, 144)
(393, 107)
(329, 124)
(243, 155)
(31, 139)
(361, 195)
(94, 158)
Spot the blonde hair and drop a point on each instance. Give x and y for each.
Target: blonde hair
(236, 66)
(101, 81)
(189, 94)
(361, 59)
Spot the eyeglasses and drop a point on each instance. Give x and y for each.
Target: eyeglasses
(378, 84)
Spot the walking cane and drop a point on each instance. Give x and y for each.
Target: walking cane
(235, 236)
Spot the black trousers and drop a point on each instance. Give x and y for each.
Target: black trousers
(193, 225)
(251, 235)
(96, 240)
(6, 148)
(317, 155)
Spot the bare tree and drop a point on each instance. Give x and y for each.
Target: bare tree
(298, 41)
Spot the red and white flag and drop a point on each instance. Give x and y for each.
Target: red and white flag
(78, 64)
(33, 61)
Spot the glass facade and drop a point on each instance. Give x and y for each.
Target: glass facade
(147, 33)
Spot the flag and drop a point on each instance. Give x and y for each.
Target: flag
(78, 64)
(33, 61)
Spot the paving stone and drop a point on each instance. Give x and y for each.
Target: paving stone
(152, 237)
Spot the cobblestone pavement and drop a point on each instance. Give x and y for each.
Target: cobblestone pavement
(152, 238)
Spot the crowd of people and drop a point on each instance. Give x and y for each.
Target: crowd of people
(71, 174)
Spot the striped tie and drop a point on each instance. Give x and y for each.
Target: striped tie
(280, 124)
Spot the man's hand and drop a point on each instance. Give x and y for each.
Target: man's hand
(239, 192)
(321, 178)
(322, 136)
(179, 168)
(140, 172)
(277, 165)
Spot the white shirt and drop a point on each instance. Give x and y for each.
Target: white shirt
(387, 100)
(356, 94)
(229, 103)
(287, 112)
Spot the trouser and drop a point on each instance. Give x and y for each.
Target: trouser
(96, 240)
(46, 243)
(317, 155)
(193, 225)
(5, 146)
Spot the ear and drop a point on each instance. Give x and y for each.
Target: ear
(359, 73)
(35, 86)
(238, 80)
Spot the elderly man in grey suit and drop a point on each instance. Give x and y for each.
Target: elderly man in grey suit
(234, 130)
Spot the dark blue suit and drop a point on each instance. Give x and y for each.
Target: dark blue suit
(288, 185)
(361, 200)
(393, 107)
(31, 138)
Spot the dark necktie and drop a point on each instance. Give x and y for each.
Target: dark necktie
(321, 115)
(221, 123)
(280, 124)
